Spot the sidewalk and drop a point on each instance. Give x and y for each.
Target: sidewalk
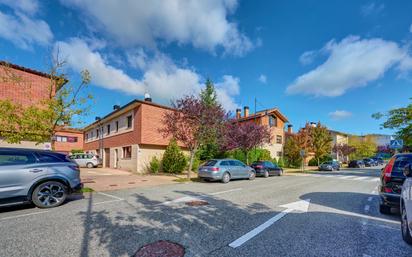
(105, 179)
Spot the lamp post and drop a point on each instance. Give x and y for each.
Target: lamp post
(100, 129)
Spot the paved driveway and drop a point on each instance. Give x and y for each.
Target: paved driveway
(309, 215)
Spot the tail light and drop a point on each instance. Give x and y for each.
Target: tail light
(214, 169)
(387, 173)
(258, 167)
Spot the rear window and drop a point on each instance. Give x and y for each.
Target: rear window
(224, 163)
(257, 163)
(401, 162)
(210, 163)
(16, 158)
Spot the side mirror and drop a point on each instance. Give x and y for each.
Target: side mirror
(407, 171)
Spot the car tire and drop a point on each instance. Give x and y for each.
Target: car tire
(89, 165)
(266, 174)
(49, 194)
(226, 178)
(384, 209)
(406, 233)
(252, 175)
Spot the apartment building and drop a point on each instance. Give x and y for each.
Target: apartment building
(67, 139)
(272, 118)
(128, 137)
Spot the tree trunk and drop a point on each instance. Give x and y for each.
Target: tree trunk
(192, 155)
(318, 161)
(247, 157)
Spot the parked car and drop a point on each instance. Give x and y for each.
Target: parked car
(225, 170)
(266, 169)
(369, 162)
(44, 178)
(378, 160)
(392, 178)
(356, 164)
(406, 204)
(88, 160)
(330, 166)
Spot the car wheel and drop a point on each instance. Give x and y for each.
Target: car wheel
(89, 165)
(226, 178)
(406, 233)
(49, 194)
(266, 174)
(252, 175)
(384, 209)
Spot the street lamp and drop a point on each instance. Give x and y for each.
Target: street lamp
(100, 129)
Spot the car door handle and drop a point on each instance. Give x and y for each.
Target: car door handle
(35, 170)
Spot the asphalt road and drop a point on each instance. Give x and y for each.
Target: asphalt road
(336, 214)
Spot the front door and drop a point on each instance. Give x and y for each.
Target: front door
(107, 157)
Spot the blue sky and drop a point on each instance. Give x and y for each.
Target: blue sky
(331, 61)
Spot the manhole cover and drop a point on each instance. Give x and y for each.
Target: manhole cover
(161, 249)
(197, 203)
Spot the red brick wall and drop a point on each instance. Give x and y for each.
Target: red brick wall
(67, 146)
(151, 122)
(22, 87)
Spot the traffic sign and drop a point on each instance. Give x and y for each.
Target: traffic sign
(302, 153)
(396, 144)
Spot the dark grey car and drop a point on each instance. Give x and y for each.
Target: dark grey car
(44, 178)
(225, 170)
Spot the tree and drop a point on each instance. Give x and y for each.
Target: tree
(399, 119)
(343, 150)
(304, 140)
(291, 151)
(244, 136)
(209, 149)
(321, 141)
(363, 149)
(191, 123)
(39, 122)
(174, 161)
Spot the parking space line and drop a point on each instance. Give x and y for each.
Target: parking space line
(23, 215)
(361, 178)
(111, 196)
(227, 191)
(111, 201)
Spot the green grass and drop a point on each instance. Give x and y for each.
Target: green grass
(184, 180)
(86, 190)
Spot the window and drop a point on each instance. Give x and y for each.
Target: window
(91, 135)
(273, 121)
(43, 157)
(210, 163)
(225, 163)
(108, 129)
(127, 152)
(129, 121)
(87, 136)
(97, 133)
(117, 126)
(72, 139)
(236, 163)
(278, 139)
(15, 158)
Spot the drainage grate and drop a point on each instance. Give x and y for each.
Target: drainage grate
(197, 203)
(161, 248)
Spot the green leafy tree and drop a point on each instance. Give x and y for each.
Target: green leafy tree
(321, 141)
(39, 122)
(281, 163)
(174, 161)
(363, 149)
(291, 151)
(399, 119)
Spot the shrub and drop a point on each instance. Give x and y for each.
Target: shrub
(314, 162)
(174, 161)
(275, 161)
(154, 165)
(281, 163)
(74, 151)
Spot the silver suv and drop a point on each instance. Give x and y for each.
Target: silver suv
(225, 170)
(44, 178)
(86, 160)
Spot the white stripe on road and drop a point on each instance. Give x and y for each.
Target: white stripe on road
(23, 215)
(227, 191)
(191, 198)
(346, 177)
(111, 201)
(361, 178)
(112, 196)
(243, 239)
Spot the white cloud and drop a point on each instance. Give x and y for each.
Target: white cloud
(262, 78)
(307, 57)
(203, 24)
(339, 115)
(351, 63)
(161, 77)
(27, 6)
(23, 31)
(372, 9)
(410, 28)
(226, 91)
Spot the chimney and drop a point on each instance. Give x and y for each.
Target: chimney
(238, 113)
(246, 111)
(116, 107)
(290, 128)
(313, 124)
(147, 97)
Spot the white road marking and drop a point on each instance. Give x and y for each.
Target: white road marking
(301, 206)
(350, 177)
(367, 207)
(112, 196)
(373, 192)
(111, 201)
(227, 191)
(23, 215)
(361, 178)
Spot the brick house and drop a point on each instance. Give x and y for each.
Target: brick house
(272, 118)
(128, 137)
(27, 87)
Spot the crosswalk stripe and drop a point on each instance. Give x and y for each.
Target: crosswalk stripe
(361, 178)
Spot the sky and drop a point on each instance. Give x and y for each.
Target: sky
(336, 62)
